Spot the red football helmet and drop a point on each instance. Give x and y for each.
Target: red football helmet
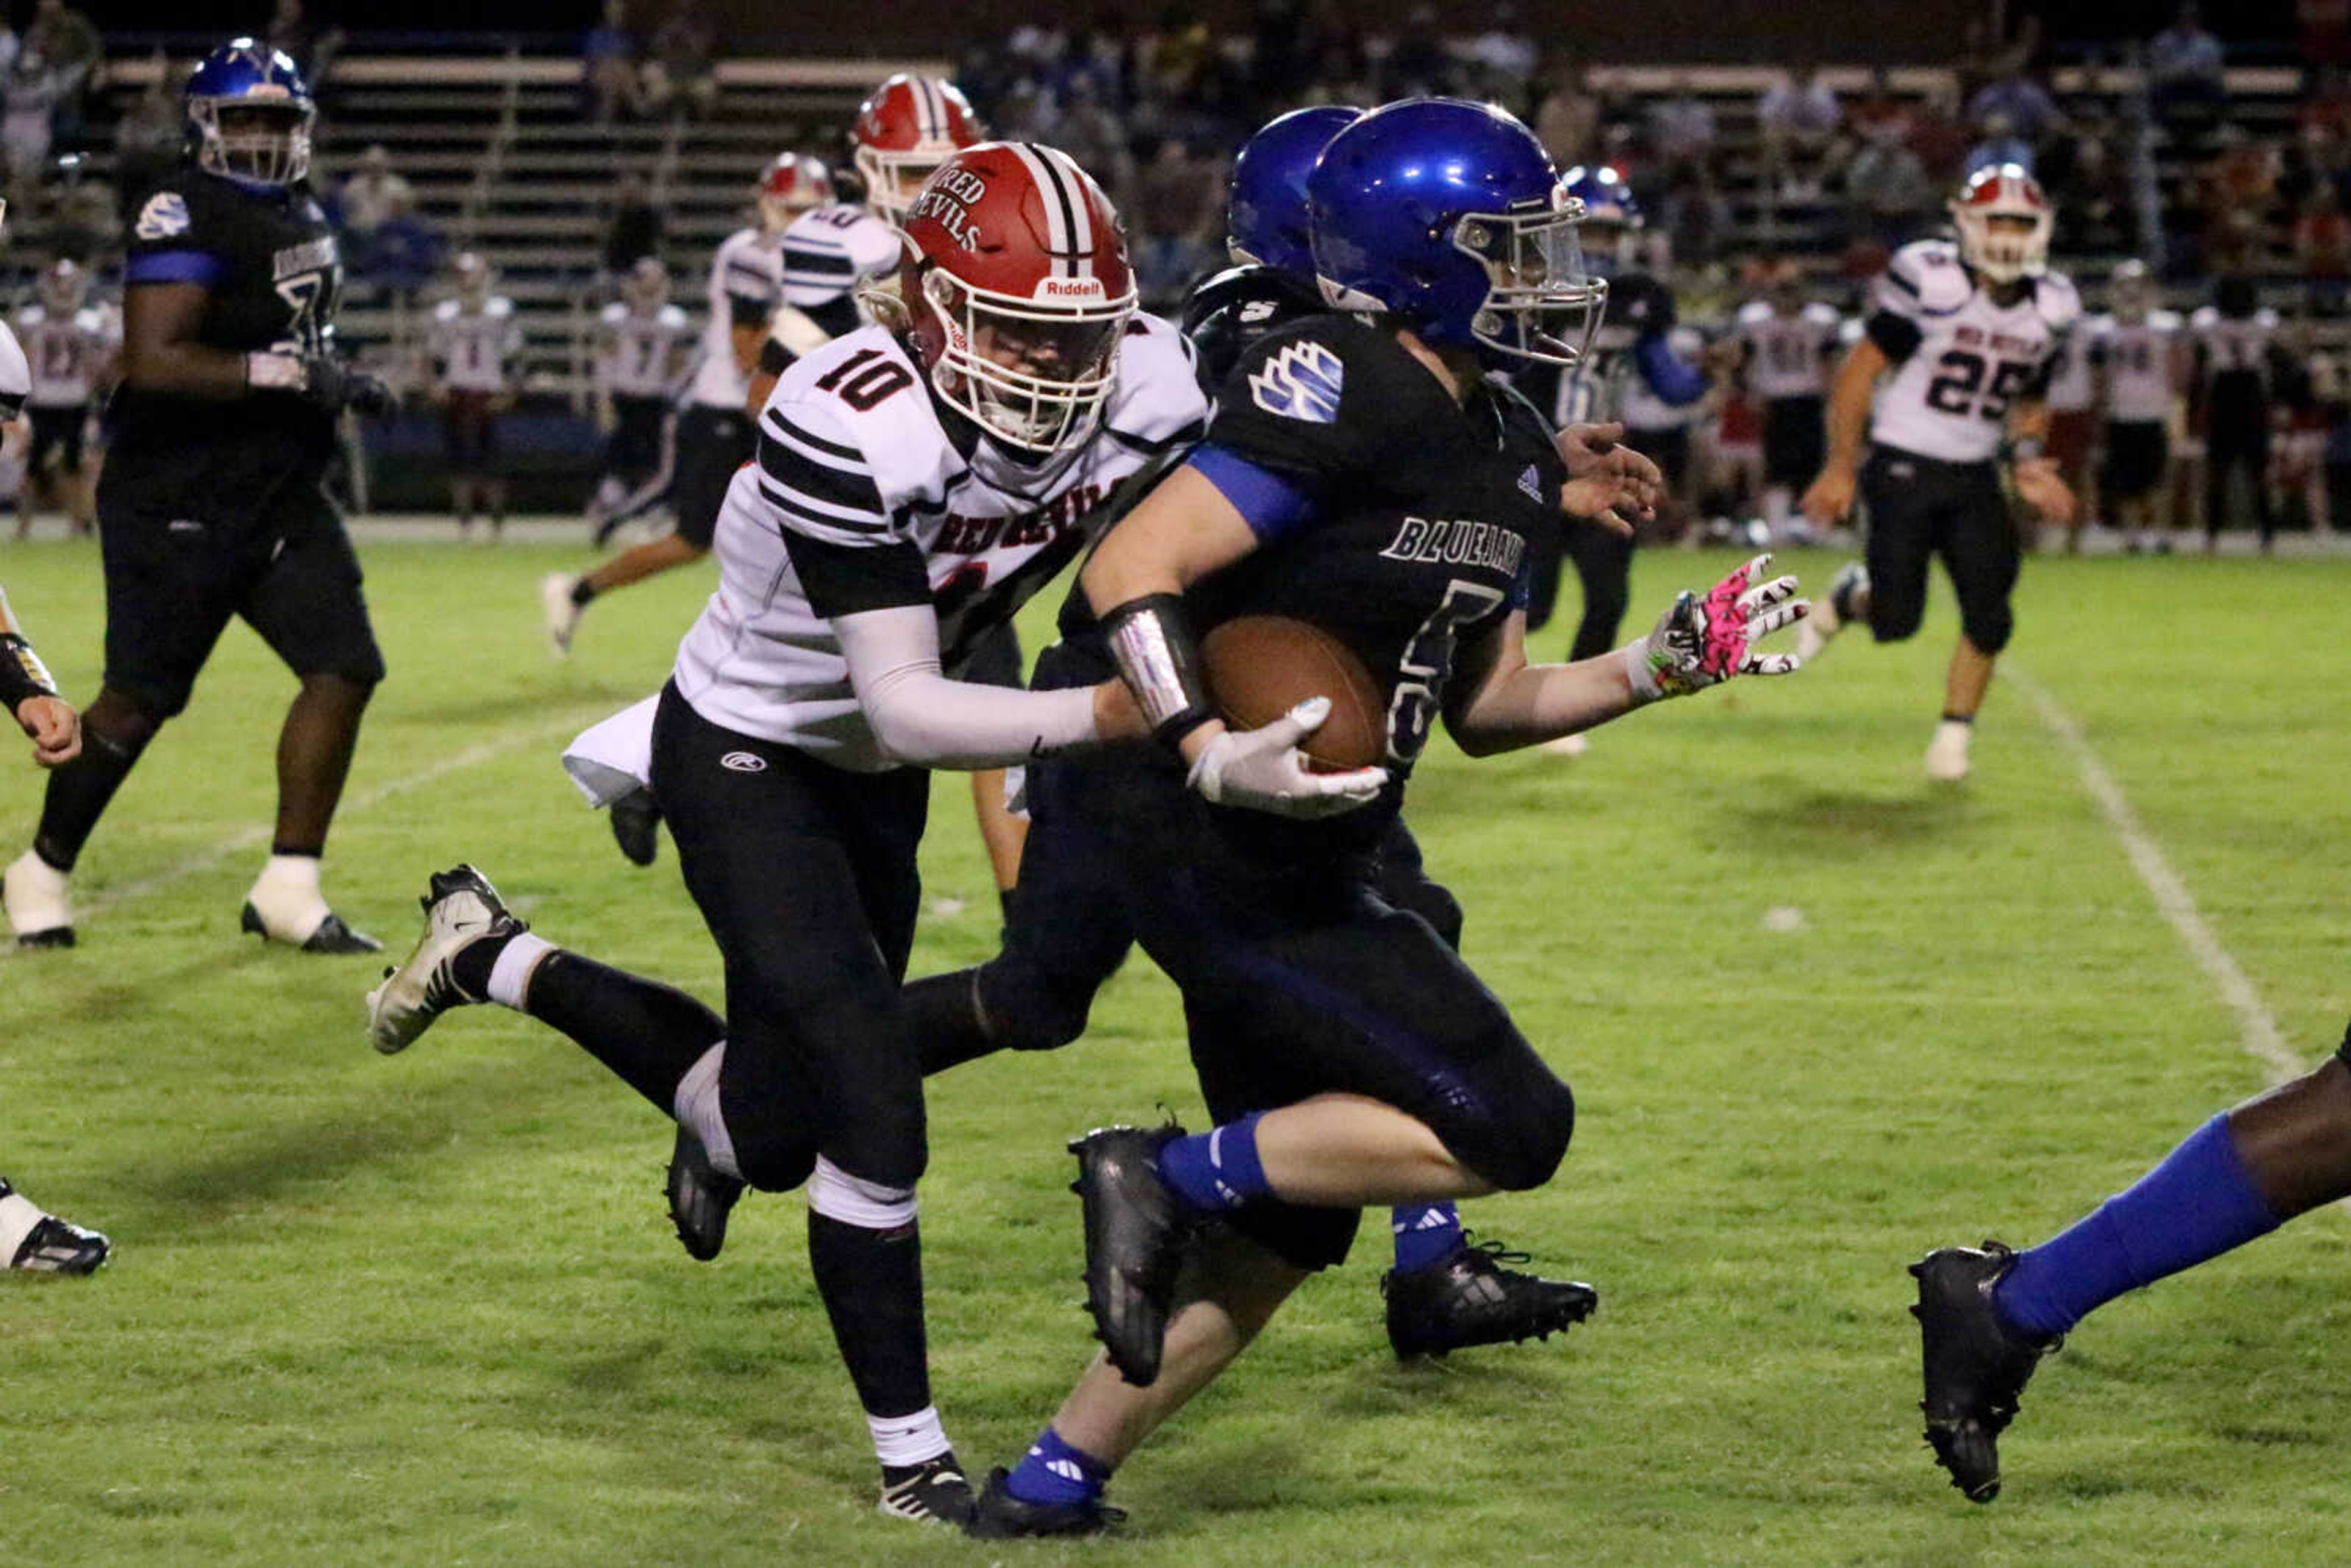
(2004, 251)
(909, 127)
(1016, 283)
(789, 186)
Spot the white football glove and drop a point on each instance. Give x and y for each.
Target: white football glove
(1263, 770)
(1699, 643)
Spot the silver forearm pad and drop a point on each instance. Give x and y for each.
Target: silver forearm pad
(1151, 638)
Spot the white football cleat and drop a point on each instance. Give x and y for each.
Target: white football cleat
(39, 913)
(461, 908)
(1831, 611)
(1947, 754)
(562, 614)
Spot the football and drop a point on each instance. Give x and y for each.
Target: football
(1261, 666)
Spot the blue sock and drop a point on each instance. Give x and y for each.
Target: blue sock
(1218, 1169)
(1051, 1472)
(2196, 1204)
(1426, 1234)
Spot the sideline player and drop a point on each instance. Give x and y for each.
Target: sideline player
(1067, 929)
(914, 484)
(2239, 367)
(70, 344)
(1346, 1053)
(473, 339)
(31, 1238)
(2135, 355)
(640, 353)
(715, 438)
(1964, 336)
(211, 505)
(1789, 342)
(1986, 1317)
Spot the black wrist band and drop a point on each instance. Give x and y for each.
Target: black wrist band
(22, 673)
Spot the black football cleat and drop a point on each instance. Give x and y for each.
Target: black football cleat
(54, 936)
(57, 1246)
(1470, 1299)
(331, 935)
(1137, 1234)
(636, 826)
(700, 1198)
(1000, 1516)
(933, 1492)
(1976, 1367)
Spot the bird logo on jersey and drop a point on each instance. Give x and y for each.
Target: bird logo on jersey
(1302, 382)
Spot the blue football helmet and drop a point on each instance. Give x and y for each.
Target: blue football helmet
(1449, 215)
(1265, 216)
(251, 112)
(1611, 216)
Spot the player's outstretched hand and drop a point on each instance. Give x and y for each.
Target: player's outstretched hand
(2044, 489)
(1699, 643)
(1607, 482)
(55, 727)
(1263, 770)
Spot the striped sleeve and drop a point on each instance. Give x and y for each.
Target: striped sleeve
(816, 481)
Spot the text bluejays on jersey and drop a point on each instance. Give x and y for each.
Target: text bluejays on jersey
(1302, 381)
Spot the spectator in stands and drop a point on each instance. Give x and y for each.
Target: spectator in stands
(1694, 218)
(684, 76)
(1503, 58)
(146, 138)
(1889, 189)
(2322, 247)
(2325, 113)
(29, 95)
(1180, 215)
(1568, 123)
(1798, 115)
(1938, 138)
(1880, 114)
(634, 229)
(367, 197)
(1091, 131)
(608, 65)
(2324, 27)
(404, 257)
(2096, 209)
(2239, 192)
(70, 41)
(312, 48)
(2030, 113)
(1418, 64)
(2184, 67)
(1681, 127)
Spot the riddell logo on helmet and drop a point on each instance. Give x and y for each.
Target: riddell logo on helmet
(1070, 288)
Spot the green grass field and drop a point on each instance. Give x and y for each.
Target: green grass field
(428, 1311)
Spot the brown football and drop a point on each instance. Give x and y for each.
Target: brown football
(1261, 667)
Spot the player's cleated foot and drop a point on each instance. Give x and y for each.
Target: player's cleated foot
(1137, 1234)
(1470, 1299)
(329, 935)
(34, 892)
(700, 1198)
(1000, 1516)
(561, 614)
(1831, 611)
(1947, 754)
(933, 1492)
(461, 908)
(636, 826)
(1976, 1367)
(52, 1246)
(1574, 745)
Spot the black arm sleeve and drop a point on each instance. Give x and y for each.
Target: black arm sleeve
(1897, 336)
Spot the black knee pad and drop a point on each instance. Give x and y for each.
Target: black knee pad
(1028, 1011)
(1990, 629)
(1529, 1137)
(361, 677)
(772, 1164)
(1894, 619)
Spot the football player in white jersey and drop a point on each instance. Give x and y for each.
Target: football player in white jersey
(1962, 336)
(714, 438)
(640, 353)
(2135, 354)
(474, 341)
(2237, 366)
(914, 483)
(1790, 341)
(70, 345)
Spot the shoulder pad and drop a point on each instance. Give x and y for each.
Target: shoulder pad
(1822, 313)
(2265, 319)
(612, 315)
(498, 306)
(895, 436)
(1936, 278)
(1156, 399)
(445, 311)
(2059, 302)
(1755, 312)
(31, 316)
(2204, 318)
(670, 317)
(2164, 320)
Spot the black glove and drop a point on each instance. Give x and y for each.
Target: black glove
(335, 385)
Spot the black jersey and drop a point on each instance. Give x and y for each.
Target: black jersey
(1228, 312)
(268, 261)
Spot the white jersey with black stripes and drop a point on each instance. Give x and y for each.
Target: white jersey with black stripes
(2141, 380)
(746, 283)
(637, 349)
(829, 251)
(1960, 358)
(855, 455)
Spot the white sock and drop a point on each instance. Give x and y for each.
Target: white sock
(696, 1110)
(903, 1440)
(19, 1214)
(510, 976)
(287, 896)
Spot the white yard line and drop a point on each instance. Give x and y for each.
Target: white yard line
(2257, 1031)
(255, 838)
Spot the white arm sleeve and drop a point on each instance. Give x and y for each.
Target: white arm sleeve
(923, 718)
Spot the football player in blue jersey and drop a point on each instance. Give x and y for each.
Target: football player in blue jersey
(1346, 1053)
(1066, 929)
(212, 506)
